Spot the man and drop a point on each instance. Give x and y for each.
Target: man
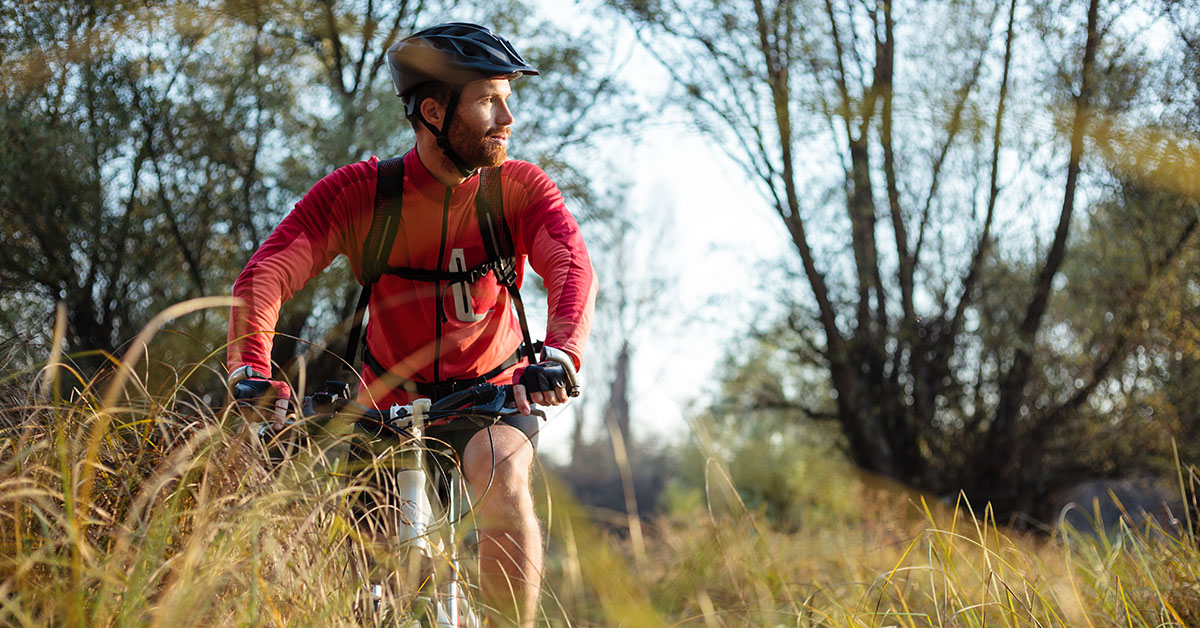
(433, 337)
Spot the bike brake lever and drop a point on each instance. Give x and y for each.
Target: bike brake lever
(560, 357)
(508, 411)
(471, 396)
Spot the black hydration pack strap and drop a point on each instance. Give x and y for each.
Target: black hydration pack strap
(497, 241)
(385, 224)
(444, 388)
(448, 276)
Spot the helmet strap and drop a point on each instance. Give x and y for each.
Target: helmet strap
(442, 135)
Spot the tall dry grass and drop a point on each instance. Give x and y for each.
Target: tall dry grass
(125, 505)
(892, 558)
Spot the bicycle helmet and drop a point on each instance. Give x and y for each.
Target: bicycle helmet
(452, 54)
(455, 53)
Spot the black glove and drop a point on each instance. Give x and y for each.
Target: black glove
(252, 389)
(544, 377)
(556, 369)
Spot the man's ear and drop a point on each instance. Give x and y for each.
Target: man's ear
(433, 111)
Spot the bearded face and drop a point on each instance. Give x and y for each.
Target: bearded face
(481, 125)
(480, 145)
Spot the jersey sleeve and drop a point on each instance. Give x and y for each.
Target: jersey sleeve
(546, 232)
(323, 224)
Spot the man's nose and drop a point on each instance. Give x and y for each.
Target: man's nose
(504, 116)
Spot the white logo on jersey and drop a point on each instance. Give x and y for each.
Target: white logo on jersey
(464, 309)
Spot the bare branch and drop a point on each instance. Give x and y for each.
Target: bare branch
(393, 33)
(884, 71)
(984, 243)
(840, 78)
(368, 34)
(1012, 385)
(335, 62)
(762, 169)
(962, 95)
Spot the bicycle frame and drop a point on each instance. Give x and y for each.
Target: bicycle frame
(418, 514)
(425, 524)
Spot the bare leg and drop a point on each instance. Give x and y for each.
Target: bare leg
(510, 539)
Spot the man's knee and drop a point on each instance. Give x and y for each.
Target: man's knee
(497, 464)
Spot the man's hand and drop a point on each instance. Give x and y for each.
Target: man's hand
(550, 382)
(555, 397)
(254, 393)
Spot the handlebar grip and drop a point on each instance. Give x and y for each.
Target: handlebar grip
(560, 357)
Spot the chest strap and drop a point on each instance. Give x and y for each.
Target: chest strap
(449, 276)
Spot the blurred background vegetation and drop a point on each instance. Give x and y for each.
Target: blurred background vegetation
(993, 206)
(991, 291)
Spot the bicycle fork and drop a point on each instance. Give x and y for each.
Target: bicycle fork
(457, 608)
(450, 599)
(412, 487)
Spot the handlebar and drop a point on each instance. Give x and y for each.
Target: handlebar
(485, 402)
(250, 387)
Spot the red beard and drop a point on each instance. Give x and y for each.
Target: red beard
(475, 147)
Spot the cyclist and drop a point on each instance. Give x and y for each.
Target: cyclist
(427, 339)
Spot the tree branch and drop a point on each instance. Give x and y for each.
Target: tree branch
(392, 33)
(984, 243)
(1013, 382)
(336, 63)
(840, 77)
(962, 94)
(884, 72)
(368, 33)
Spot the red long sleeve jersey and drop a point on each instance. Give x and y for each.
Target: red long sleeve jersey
(439, 229)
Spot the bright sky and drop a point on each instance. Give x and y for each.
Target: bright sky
(720, 233)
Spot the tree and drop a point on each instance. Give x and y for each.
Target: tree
(159, 143)
(137, 128)
(891, 128)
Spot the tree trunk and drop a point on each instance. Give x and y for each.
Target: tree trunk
(1002, 441)
(617, 412)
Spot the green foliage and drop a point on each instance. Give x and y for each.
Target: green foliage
(761, 432)
(136, 145)
(1129, 301)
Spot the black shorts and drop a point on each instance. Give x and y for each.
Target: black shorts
(456, 434)
(445, 444)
